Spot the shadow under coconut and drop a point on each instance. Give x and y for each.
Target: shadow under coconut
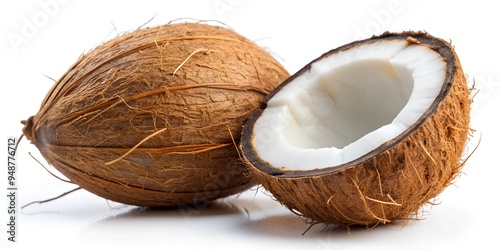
(139, 224)
(210, 209)
(293, 226)
(279, 225)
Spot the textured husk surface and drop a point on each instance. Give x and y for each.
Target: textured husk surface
(393, 182)
(146, 118)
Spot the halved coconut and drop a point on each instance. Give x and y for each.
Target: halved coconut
(365, 134)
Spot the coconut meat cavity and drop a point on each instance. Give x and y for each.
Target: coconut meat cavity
(348, 104)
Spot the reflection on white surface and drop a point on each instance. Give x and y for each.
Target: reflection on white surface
(250, 221)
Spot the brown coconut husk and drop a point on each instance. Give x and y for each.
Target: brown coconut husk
(146, 118)
(392, 182)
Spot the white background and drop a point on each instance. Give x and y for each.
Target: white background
(40, 39)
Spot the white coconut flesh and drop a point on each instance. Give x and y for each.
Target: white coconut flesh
(348, 104)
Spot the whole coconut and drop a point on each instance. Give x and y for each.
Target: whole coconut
(148, 118)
